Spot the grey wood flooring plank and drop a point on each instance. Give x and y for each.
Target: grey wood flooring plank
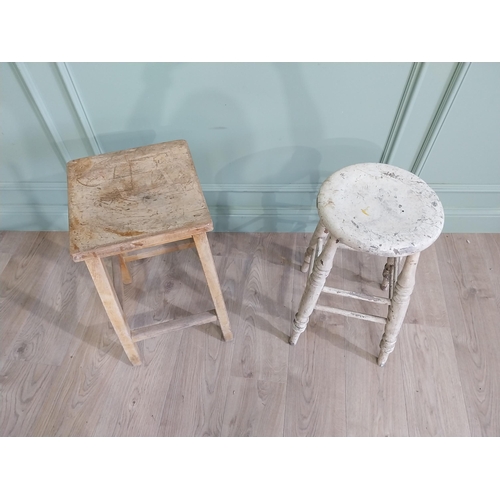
(195, 399)
(434, 397)
(73, 379)
(133, 400)
(170, 286)
(261, 349)
(11, 241)
(196, 395)
(375, 399)
(474, 319)
(489, 247)
(275, 248)
(428, 305)
(316, 385)
(47, 335)
(22, 284)
(254, 408)
(315, 402)
(23, 390)
(70, 406)
(262, 329)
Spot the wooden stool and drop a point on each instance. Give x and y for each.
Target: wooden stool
(124, 203)
(382, 210)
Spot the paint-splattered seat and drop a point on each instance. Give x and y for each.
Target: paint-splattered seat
(382, 210)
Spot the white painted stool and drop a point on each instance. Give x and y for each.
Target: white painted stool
(382, 210)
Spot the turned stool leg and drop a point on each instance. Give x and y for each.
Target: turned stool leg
(112, 306)
(207, 262)
(397, 309)
(315, 282)
(320, 233)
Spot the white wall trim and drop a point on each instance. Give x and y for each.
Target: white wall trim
(440, 117)
(34, 209)
(257, 188)
(33, 186)
(246, 211)
(37, 100)
(401, 114)
(255, 219)
(466, 188)
(80, 110)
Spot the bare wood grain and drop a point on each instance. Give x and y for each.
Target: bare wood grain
(207, 262)
(126, 278)
(139, 197)
(147, 332)
(153, 252)
(113, 308)
(117, 278)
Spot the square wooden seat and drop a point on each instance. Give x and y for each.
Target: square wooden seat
(124, 203)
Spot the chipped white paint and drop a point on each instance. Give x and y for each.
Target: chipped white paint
(352, 314)
(315, 282)
(315, 246)
(380, 209)
(397, 310)
(356, 295)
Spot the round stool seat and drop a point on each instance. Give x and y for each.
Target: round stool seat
(380, 209)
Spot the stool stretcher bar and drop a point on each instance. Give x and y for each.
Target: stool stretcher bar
(352, 314)
(356, 295)
(148, 332)
(153, 252)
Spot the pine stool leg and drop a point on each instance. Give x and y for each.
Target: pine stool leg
(126, 278)
(322, 266)
(207, 262)
(399, 306)
(113, 308)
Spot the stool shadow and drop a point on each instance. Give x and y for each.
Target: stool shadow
(78, 330)
(341, 342)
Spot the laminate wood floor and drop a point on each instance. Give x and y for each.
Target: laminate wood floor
(64, 373)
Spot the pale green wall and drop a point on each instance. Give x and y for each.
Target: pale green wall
(263, 135)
